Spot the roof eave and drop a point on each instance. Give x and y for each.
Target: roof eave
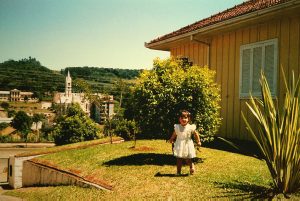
(162, 45)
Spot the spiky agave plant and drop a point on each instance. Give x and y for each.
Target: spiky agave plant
(278, 134)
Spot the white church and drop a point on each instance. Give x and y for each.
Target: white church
(68, 97)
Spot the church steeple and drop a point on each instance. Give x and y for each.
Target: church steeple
(68, 90)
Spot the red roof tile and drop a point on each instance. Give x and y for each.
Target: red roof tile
(238, 10)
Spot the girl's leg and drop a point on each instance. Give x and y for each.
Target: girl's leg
(191, 164)
(179, 165)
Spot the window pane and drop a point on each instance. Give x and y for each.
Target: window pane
(245, 71)
(269, 66)
(257, 64)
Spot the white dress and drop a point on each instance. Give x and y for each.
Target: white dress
(184, 146)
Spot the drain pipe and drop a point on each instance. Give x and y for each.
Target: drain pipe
(193, 39)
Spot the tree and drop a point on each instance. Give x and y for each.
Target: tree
(3, 125)
(172, 85)
(26, 99)
(75, 126)
(11, 113)
(96, 100)
(5, 105)
(22, 122)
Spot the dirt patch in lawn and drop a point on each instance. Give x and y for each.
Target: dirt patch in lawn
(142, 148)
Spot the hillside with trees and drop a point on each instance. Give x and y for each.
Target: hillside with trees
(101, 79)
(29, 75)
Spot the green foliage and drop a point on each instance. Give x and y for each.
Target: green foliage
(29, 75)
(127, 129)
(5, 138)
(38, 117)
(101, 79)
(22, 122)
(172, 85)
(98, 74)
(278, 135)
(5, 105)
(47, 132)
(11, 113)
(3, 125)
(75, 126)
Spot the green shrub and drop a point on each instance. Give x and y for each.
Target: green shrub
(278, 135)
(5, 138)
(126, 129)
(172, 85)
(75, 126)
(3, 125)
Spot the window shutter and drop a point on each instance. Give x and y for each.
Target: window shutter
(257, 65)
(245, 81)
(253, 58)
(269, 68)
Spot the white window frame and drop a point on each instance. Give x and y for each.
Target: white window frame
(251, 46)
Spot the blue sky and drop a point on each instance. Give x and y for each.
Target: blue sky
(99, 33)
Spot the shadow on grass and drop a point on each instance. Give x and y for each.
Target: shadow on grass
(244, 147)
(245, 191)
(146, 159)
(170, 175)
(5, 186)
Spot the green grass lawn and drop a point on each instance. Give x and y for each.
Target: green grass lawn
(148, 172)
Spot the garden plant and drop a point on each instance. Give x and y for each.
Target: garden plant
(278, 134)
(172, 85)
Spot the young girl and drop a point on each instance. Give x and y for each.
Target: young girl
(184, 146)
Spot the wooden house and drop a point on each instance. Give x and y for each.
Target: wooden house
(237, 43)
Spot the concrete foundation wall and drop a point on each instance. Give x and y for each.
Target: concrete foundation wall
(38, 175)
(15, 170)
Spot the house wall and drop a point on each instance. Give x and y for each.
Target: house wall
(224, 56)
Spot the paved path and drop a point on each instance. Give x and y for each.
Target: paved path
(7, 197)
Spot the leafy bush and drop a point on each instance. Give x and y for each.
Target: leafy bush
(278, 135)
(75, 126)
(4, 105)
(5, 138)
(126, 129)
(172, 85)
(3, 125)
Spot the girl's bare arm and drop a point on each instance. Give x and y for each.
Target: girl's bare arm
(172, 139)
(196, 134)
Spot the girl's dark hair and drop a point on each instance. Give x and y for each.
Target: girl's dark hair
(185, 113)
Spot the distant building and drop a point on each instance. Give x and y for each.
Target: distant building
(6, 119)
(68, 97)
(46, 105)
(16, 95)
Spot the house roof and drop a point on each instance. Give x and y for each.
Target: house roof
(7, 131)
(236, 11)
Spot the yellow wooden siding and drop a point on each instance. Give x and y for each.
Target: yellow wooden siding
(294, 45)
(243, 134)
(225, 60)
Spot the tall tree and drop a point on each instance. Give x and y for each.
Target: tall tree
(5, 105)
(22, 122)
